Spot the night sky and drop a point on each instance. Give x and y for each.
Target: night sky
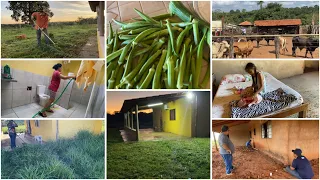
(115, 99)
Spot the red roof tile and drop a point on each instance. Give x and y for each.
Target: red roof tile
(282, 22)
(245, 23)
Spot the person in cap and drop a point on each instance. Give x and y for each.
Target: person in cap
(226, 149)
(41, 20)
(301, 167)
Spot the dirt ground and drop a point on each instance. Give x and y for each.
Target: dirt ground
(253, 165)
(90, 49)
(265, 51)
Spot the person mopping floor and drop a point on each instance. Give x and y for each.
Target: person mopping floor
(53, 87)
(41, 20)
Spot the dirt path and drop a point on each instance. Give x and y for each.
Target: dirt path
(265, 51)
(252, 165)
(90, 49)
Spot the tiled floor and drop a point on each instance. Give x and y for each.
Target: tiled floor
(27, 111)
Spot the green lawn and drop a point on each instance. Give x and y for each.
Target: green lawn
(78, 158)
(170, 159)
(69, 41)
(19, 129)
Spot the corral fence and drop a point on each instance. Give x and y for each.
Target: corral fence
(228, 29)
(275, 38)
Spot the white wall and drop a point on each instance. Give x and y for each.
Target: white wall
(278, 68)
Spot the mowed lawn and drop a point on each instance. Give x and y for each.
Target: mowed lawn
(69, 41)
(82, 157)
(170, 159)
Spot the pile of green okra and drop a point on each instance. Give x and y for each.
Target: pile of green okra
(164, 51)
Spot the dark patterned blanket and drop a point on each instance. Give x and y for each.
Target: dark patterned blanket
(272, 101)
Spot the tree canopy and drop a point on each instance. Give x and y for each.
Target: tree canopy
(272, 11)
(22, 10)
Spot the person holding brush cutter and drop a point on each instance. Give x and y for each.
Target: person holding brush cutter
(12, 133)
(54, 86)
(41, 22)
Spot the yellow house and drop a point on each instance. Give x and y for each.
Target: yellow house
(55, 129)
(185, 114)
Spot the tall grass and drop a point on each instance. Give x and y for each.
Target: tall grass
(78, 158)
(19, 129)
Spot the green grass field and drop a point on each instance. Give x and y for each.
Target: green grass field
(170, 159)
(69, 41)
(19, 129)
(78, 158)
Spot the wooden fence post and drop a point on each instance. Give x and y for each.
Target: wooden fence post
(231, 54)
(277, 46)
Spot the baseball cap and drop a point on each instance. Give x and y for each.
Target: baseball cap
(224, 128)
(297, 151)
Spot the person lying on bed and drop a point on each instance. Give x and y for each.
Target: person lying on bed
(252, 95)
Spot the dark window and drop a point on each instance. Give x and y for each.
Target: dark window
(254, 131)
(266, 130)
(172, 114)
(250, 135)
(37, 123)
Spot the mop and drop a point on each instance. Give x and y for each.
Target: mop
(44, 109)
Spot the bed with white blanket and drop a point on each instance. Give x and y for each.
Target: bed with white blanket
(221, 107)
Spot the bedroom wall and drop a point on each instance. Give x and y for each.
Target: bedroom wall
(279, 69)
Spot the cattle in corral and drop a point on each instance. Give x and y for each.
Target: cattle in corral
(242, 40)
(268, 39)
(22, 36)
(258, 39)
(219, 49)
(283, 45)
(242, 49)
(309, 43)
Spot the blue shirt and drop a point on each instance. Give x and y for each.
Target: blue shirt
(248, 143)
(224, 139)
(303, 167)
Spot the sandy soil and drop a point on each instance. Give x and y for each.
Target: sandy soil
(265, 51)
(90, 50)
(253, 165)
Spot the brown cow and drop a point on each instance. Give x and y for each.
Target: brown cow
(242, 49)
(283, 43)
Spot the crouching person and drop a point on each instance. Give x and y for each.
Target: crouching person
(301, 167)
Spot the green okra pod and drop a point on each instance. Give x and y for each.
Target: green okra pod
(124, 53)
(181, 37)
(147, 65)
(114, 55)
(119, 75)
(182, 68)
(171, 34)
(148, 79)
(198, 63)
(195, 31)
(144, 76)
(110, 32)
(171, 75)
(116, 42)
(146, 17)
(143, 34)
(138, 31)
(126, 37)
(157, 34)
(157, 75)
(119, 22)
(182, 24)
(169, 53)
(206, 78)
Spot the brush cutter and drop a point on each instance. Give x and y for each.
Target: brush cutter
(44, 32)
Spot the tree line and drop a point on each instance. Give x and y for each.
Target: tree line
(272, 11)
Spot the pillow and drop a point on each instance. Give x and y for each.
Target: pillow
(233, 78)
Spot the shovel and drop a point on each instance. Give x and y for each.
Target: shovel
(44, 33)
